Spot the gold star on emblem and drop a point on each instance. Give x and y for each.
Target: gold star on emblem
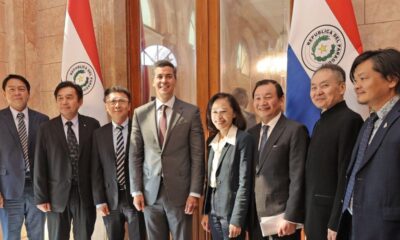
(322, 48)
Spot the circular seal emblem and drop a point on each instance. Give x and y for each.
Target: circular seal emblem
(83, 74)
(324, 44)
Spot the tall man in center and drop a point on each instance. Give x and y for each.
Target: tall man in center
(166, 161)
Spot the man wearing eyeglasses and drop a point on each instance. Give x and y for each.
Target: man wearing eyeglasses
(110, 176)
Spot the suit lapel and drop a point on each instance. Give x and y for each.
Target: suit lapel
(274, 136)
(386, 124)
(153, 121)
(175, 116)
(59, 131)
(83, 132)
(223, 153)
(210, 159)
(11, 126)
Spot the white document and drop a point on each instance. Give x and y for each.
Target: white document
(269, 225)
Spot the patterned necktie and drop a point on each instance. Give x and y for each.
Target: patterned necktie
(263, 141)
(163, 125)
(23, 137)
(73, 148)
(359, 159)
(120, 157)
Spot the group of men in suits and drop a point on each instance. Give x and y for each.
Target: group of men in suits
(342, 184)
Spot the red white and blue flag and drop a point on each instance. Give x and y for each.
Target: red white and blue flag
(80, 60)
(322, 31)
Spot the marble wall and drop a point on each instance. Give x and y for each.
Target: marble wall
(379, 23)
(31, 39)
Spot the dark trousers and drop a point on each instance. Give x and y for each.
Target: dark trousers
(18, 210)
(161, 218)
(82, 217)
(115, 221)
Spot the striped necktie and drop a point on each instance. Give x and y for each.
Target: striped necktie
(120, 157)
(23, 137)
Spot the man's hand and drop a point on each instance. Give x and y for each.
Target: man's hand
(205, 224)
(103, 209)
(138, 201)
(44, 207)
(234, 231)
(1, 201)
(331, 234)
(191, 205)
(286, 228)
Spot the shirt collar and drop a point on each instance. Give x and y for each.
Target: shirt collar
(230, 137)
(124, 124)
(73, 120)
(272, 122)
(169, 103)
(387, 107)
(15, 112)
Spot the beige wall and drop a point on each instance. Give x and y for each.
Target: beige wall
(379, 23)
(31, 38)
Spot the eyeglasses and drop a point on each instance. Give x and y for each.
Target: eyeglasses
(120, 101)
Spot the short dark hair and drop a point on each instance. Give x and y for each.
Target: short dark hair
(70, 84)
(278, 87)
(239, 121)
(385, 61)
(117, 89)
(165, 63)
(336, 69)
(18, 77)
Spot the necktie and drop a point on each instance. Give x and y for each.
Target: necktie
(23, 137)
(359, 159)
(263, 141)
(163, 125)
(120, 157)
(73, 148)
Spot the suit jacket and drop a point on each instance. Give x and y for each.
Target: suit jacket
(53, 171)
(279, 174)
(329, 154)
(233, 176)
(180, 161)
(12, 163)
(104, 168)
(376, 192)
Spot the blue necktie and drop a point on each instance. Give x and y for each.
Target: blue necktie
(362, 148)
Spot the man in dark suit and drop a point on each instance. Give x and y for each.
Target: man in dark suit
(110, 177)
(371, 204)
(19, 125)
(166, 161)
(62, 181)
(279, 164)
(329, 152)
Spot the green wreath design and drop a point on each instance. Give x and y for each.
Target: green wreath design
(314, 48)
(86, 82)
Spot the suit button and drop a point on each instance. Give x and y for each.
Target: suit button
(341, 201)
